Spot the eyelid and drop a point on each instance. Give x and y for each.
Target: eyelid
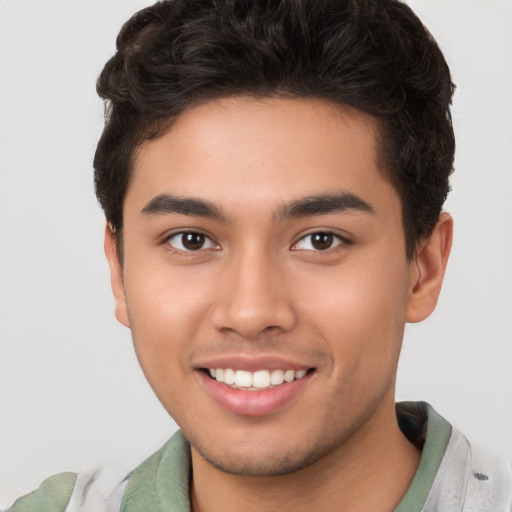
(342, 240)
(166, 240)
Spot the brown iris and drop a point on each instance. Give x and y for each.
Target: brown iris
(322, 241)
(193, 241)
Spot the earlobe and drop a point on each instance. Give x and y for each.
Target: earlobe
(428, 268)
(116, 277)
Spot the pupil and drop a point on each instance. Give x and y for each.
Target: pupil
(322, 241)
(193, 241)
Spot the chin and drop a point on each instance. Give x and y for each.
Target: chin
(258, 462)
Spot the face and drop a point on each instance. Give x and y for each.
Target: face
(265, 279)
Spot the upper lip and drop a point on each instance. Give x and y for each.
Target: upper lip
(251, 363)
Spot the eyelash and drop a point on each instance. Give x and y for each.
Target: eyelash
(183, 249)
(332, 238)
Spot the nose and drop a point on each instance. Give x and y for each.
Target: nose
(255, 298)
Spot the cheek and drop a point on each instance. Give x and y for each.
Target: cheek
(167, 308)
(166, 296)
(360, 311)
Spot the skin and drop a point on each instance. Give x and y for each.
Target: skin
(258, 288)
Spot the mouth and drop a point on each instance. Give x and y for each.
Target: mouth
(260, 392)
(259, 380)
(253, 385)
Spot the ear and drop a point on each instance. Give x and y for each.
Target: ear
(116, 276)
(427, 270)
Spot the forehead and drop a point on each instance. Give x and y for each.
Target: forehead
(246, 151)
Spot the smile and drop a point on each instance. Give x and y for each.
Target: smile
(255, 381)
(254, 393)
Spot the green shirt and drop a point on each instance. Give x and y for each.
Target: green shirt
(451, 476)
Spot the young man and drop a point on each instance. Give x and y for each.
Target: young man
(273, 175)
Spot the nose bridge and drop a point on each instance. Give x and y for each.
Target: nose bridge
(255, 297)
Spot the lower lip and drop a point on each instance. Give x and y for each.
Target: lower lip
(252, 403)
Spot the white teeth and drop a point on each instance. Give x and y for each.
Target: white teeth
(243, 379)
(300, 373)
(289, 375)
(277, 377)
(229, 376)
(261, 379)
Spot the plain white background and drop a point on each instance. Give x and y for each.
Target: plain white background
(71, 393)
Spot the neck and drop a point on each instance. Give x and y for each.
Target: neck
(370, 471)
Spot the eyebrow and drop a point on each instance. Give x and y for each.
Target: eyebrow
(164, 204)
(324, 204)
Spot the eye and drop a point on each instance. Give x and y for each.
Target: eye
(190, 241)
(319, 241)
